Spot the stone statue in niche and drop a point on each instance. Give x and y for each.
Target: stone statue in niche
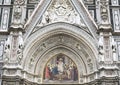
(5, 18)
(100, 48)
(6, 54)
(114, 49)
(1, 48)
(119, 49)
(61, 11)
(20, 48)
(60, 68)
(116, 19)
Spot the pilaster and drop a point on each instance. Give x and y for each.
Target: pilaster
(107, 47)
(14, 45)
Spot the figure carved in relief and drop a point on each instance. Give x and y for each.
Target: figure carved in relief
(119, 49)
(6, 55)
(18, 11)
(101, 50)
(114, 49)
(104, 11)
(61, 11)
(116, 18)
(20, 48)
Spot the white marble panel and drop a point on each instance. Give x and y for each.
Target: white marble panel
(92, 13)
(1, 2)
(5, 19)
(30, 11)
(116, 19)
(7, 2)
(115, 2)
(1, 49)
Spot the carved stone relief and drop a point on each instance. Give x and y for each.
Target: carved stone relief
(20, 48)
(104, 11)
(17, 12)
(5, 19)
(118, 48)
(114, 48)
(13, 52)
(101, 49)
(90, 65)
(7, 48)
(61, 11)
(59, 40)
(1, 49)
(116, 20)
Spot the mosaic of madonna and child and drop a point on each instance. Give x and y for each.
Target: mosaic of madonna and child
(60, 67)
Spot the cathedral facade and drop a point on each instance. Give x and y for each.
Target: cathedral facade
(60, 42)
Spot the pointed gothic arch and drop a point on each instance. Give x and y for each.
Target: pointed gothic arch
(42, 7)
(37, 47)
